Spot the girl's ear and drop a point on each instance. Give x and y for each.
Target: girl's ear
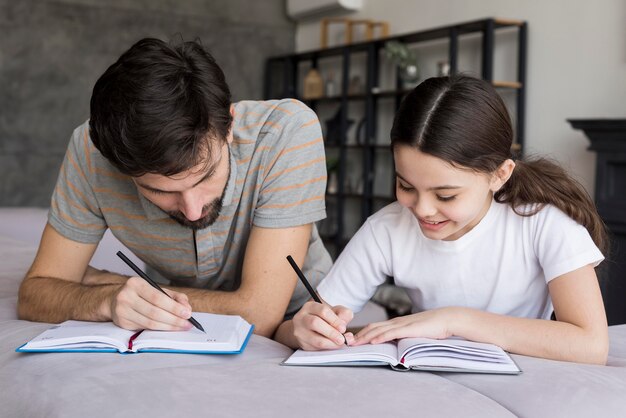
(502, 175)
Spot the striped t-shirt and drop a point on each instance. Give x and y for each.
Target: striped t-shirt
(277, 180)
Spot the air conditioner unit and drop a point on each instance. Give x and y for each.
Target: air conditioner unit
(299, 9)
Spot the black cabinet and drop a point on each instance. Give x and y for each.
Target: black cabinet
(608, 140)
(366, 90)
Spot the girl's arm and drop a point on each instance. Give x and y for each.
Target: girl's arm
(580, 334)
(353, 279)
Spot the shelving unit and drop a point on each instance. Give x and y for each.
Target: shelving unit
(352, 205)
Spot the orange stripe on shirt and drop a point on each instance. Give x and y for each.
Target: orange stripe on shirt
(178, 261)
(262, 123)
(123, 213)
(298, 103)
(297, 147)
(115, 193)
(71, 202)
(294, 186)
(157, 248)
(108, 173)
(249, 173)
(87, 151)
(276, 107)
(298, 167)
(312, 122)
(141, 234)
(75, 222)
(290, 205)
(244, 141)
(79, 193)
(79, 170)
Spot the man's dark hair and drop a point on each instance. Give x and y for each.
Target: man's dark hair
(156, 109)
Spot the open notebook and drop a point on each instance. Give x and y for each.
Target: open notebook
(225, 334)
(450, 355)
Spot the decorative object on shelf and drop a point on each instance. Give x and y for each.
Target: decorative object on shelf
(332, 164)
(331, 89)
(333, 128)
(349, 25)
(443, 68)
(313, 85)
(356, 86)
(406, 61)
(360, 132)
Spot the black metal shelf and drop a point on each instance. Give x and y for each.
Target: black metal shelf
(498, 84)
(368, 149)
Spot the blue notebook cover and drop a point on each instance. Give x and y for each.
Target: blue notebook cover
(80, 332)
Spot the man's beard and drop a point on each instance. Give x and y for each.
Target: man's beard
(213, 210)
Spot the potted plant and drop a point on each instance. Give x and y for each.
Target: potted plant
(406, 61)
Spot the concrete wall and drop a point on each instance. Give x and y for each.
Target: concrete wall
(52, 52)
(576, 61)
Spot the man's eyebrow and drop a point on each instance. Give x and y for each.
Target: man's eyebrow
(444, 187)
(208, 174)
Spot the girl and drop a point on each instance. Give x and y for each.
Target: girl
(485, 246)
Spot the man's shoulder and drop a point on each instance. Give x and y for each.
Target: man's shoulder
(271, 115)
(269, 127)
(86, 161)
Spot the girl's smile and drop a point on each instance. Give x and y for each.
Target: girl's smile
(432, 225)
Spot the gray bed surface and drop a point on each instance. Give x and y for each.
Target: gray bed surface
(255, 384)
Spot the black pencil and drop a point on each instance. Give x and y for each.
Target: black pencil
(153, 284)
(308, 286)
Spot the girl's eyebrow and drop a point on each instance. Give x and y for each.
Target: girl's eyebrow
(444, 187)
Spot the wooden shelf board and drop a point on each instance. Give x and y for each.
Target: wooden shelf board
(507, 84)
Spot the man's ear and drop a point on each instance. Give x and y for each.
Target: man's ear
(502, 175)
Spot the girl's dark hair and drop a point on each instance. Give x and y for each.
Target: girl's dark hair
(158, 107)
(463, 120)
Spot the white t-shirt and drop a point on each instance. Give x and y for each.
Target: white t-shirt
(502, 265)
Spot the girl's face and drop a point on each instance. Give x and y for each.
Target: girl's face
(447, 201)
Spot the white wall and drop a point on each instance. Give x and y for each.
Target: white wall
(576, 64)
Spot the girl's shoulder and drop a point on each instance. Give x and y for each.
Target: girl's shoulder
(539, 217)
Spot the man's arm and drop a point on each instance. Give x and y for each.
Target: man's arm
(52, 290)
(55, 287)
(60, 285)
(267, 282)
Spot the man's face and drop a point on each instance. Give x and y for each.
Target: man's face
(194, 197)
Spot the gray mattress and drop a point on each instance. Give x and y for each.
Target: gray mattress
(255, 384)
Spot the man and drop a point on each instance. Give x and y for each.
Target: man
(210, 194)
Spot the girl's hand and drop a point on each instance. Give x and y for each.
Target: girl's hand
(435, 324)
(318, 326)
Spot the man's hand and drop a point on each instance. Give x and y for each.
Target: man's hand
(318, 326)
(137, 305)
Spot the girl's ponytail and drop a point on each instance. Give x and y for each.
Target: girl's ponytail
(541, 181)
